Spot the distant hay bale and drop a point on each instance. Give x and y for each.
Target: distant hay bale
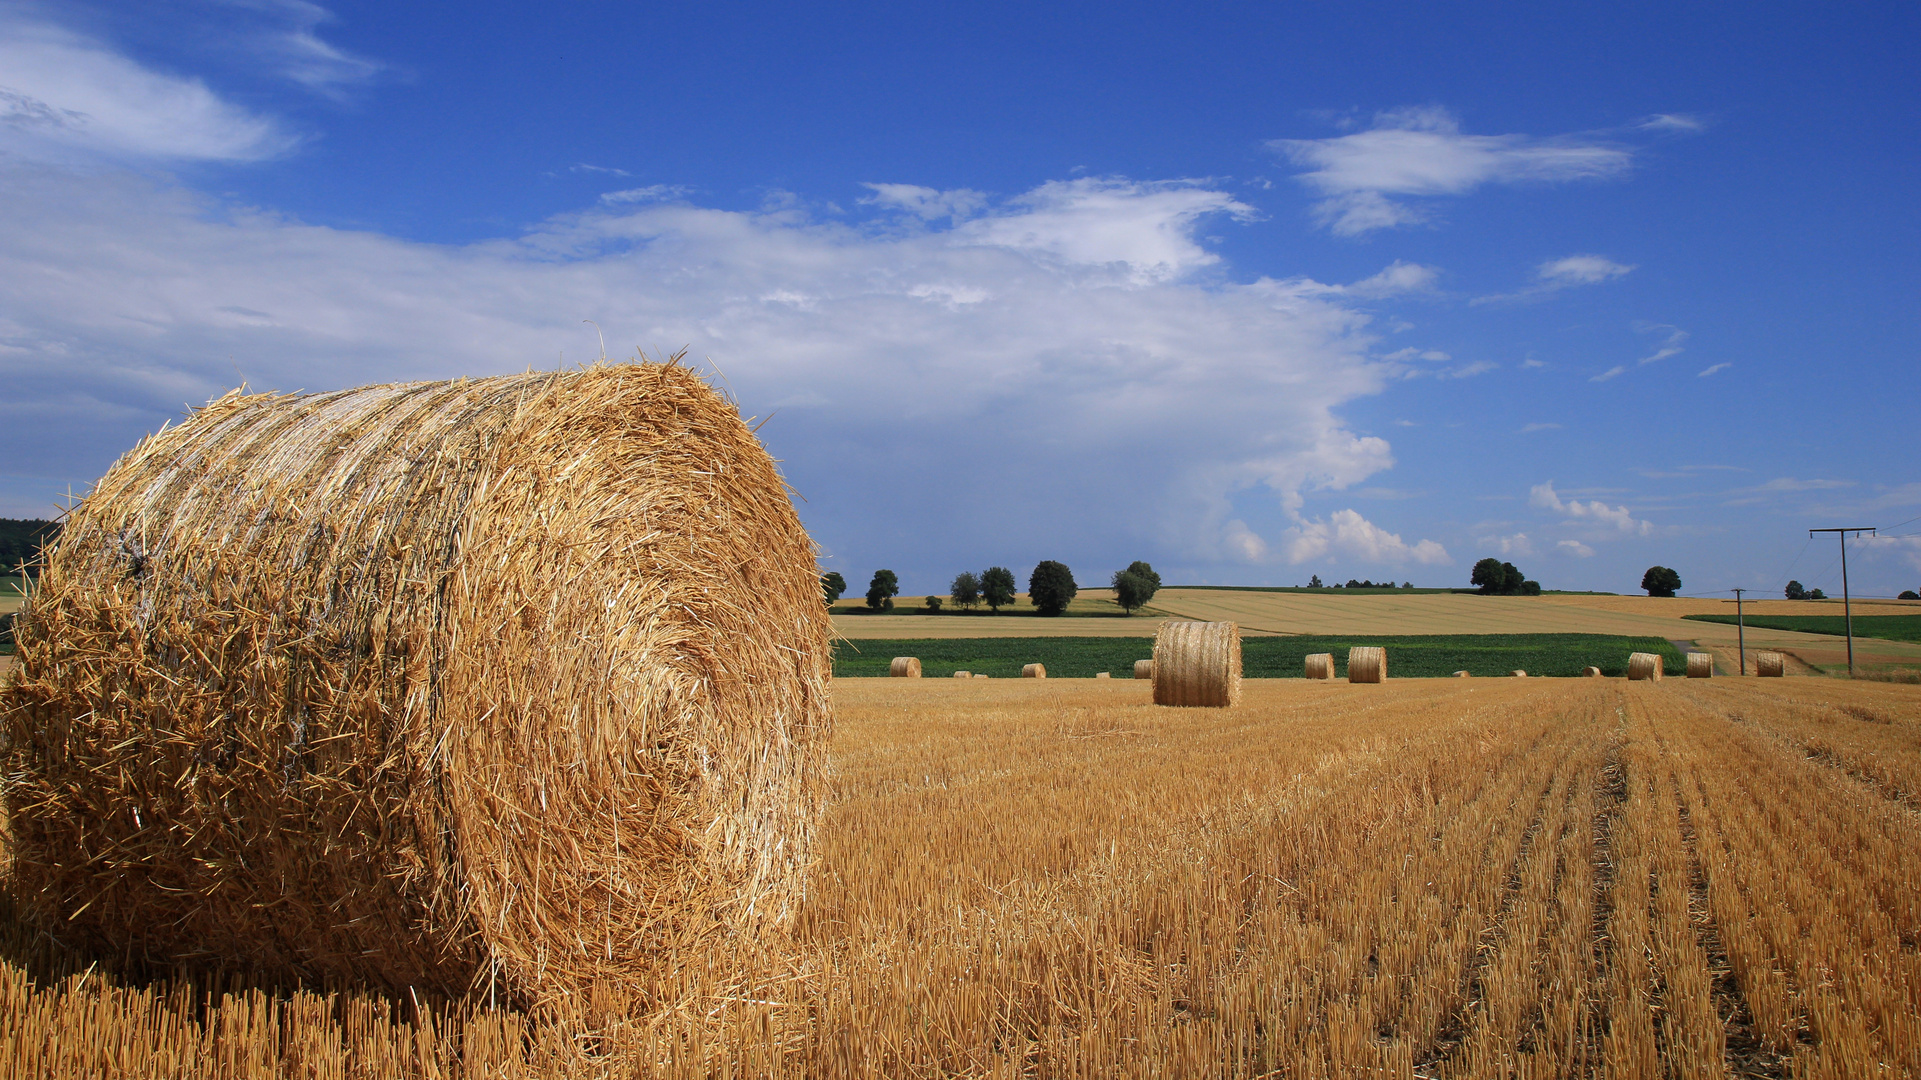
(1197, 664)
(1518, 673)
(1366, 664)
(1103, 674)
(1591, 672)
(1770, 665)
(1700, 665)
(904, 667)
(1033, 671)
(1319, 665)
(1143, 669)
(1463, 675)
(518, 682)
(1644, 667)
(963, 674)
(978, 675)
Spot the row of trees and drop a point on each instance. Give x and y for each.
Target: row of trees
(1315, 583)
(1050, 588)
(1496, 578)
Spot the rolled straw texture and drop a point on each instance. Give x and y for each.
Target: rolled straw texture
(1319, 665)
(1700, 665)
(517, 682)
(1366, 664)
(1769, 665)
(1143, 669)
(1644, 667)
(1591, 672)
(904, 667)
(1197, 664)
(1034, 671)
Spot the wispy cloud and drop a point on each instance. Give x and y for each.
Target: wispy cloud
(1563, 273)
(1574, 548)
(1422, 152)
(1671, 122)
(652, 193)
(1346, 533)
(1671, 342)
(1613, 372)
(586, 168)
(1396, 279)
(65, 97)
(1717, 367)
(928, 204)
(287, 35)
(1539, 427)
(1596, 512)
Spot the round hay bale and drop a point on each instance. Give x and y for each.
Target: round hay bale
(1143, 669)
(1518, 673)
(1644, 667)
(1700, 665)
(904, 667)
(1103, 674)
(517, 682)
(963, 674)
(1366, 664)
(1319, 665)
(1197, 664)
(1591, 672)
(1463, 675)
(1034, 671)
(980, 676)
(1770, 665)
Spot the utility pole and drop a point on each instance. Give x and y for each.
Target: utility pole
(1847, 605)
(1741, 629)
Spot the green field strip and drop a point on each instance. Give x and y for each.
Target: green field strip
(1885, 627)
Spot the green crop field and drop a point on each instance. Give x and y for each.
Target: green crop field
(1417, 656)
(1886, 627)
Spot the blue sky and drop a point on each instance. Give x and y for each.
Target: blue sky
(1253, 292)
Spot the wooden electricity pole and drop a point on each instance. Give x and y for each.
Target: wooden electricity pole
(1847, 605)
(1741, 630)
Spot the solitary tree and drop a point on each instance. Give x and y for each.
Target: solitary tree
(882, 590)
(1796, 591)
(1135, 586)
(966, 590)
(1817, 594)
(1909, 594)
(1050, 587)
(997, 587)
(1660, 581)
(832, 584)
(933, 605)
(1314, 582)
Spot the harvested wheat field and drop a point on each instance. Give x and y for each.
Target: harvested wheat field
(1434, 878)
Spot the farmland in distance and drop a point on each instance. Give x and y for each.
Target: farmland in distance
(1432, 878)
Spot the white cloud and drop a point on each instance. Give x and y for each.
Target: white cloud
(1396, 279)
(1671, 122)
(1531, 362)
(1789, 483)
(1557, 274)
(928, 204)
(67, 98)
(1596, 512)
(1714, 368)
(1422, 152)
(1515, 544)
(1468, 371)
(1610, 373)
(1244, 543)
(1528, 428)
(648, 194)
(1347, 533)
(1574, 548)
(290, 41)
(1671, 342)
(1908, 547)
(1070, 376)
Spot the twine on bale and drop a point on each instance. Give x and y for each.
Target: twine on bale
(1319, 665)
(1143, 669)
(1770, 665)
(1700, 665)
(904, 667)
(1034, 671)
(518, 682)
(1197, 664)
(1644, 667)
(1366, 664)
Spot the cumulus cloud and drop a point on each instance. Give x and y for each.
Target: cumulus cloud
(1055, 358)
(1574, 548)
(1614, 519)
(65, 97)
(1423, 152)
(1346, 533)
(1513, 544)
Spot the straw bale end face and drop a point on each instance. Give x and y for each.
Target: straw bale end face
(519, 678)
(904, 667)
(1103, 674)
(1591, 672)
(1034, 671)
(1197, 664)
(963, 674)
(1143, 669)
(1518, 673)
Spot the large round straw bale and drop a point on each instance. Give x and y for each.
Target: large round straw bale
(1143, 669)
(978, 675)
(963, 674)
(517, 682)
(1644, 667)
(1103, 674)
(1769, 665)
(1700, 665)
(1034, 671)
(1463, 674)
(1366, 664)
(1591, 672)
(1318, 665)
(904, 667)
(1518, 673)
(1197, 663)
